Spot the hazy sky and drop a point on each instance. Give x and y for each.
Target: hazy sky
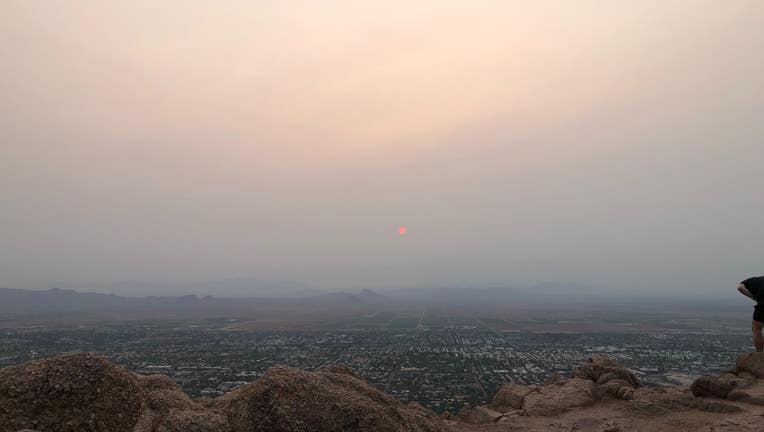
(612, 143)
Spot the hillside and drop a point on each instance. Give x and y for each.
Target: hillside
(55, 303)
(84, 392)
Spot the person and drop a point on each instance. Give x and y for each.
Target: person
(754, 289)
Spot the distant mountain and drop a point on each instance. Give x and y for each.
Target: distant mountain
(370, 296)
(470, 295)
(22, 302)
(366, 297)
(17, 303)
(233, 287)
(550, 295)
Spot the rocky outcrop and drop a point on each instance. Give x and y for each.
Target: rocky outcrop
(602, 376)
(751, 363)
(554, 379)
(510, 396)
(84, 392)
(415, 407)
(664, 400)
(557, 398)
(614, 379)
(604, 368)
(69, 393)
(286, 399)
(167, 408)
(479, 415)
(740, 385)
(599, 376)
(719, 386)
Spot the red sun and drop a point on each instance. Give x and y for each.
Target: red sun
(402, 231)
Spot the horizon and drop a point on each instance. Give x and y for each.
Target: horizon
(253, 288)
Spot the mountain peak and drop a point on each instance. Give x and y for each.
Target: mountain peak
(369, 294)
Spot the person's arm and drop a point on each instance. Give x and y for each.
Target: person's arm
(743, 290)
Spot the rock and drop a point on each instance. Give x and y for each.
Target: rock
(603, 369)
(554, 379)
(743, 374)
(611, 426)
(557, 398)
(286, 399)
(586, 424)
(74, 392)
(619, 389)
(614, 379)
(510, 396)
(161, 393)
(753, 395)
(663, 400)
(510, 417)
(168, 409)
(479, 415)
(415, 407)
(718, 407)
(192, 421)
(736, 395)
(752, 363)
(341, 369)
(84, 392)
(719, 386)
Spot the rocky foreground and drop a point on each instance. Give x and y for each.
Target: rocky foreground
(84, 392)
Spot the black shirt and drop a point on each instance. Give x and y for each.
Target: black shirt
(756, 286)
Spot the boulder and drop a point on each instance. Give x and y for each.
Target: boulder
(752, 363)
(69, 393)
(619, 389)
(510, 396)
(603, 369)
(287, 399)
(719, 386)
(479, 415)
(557, 398)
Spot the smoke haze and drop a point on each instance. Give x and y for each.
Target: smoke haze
(613, 144)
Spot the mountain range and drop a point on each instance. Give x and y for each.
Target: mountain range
(19, 303)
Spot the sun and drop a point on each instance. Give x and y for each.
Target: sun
(402, 231)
